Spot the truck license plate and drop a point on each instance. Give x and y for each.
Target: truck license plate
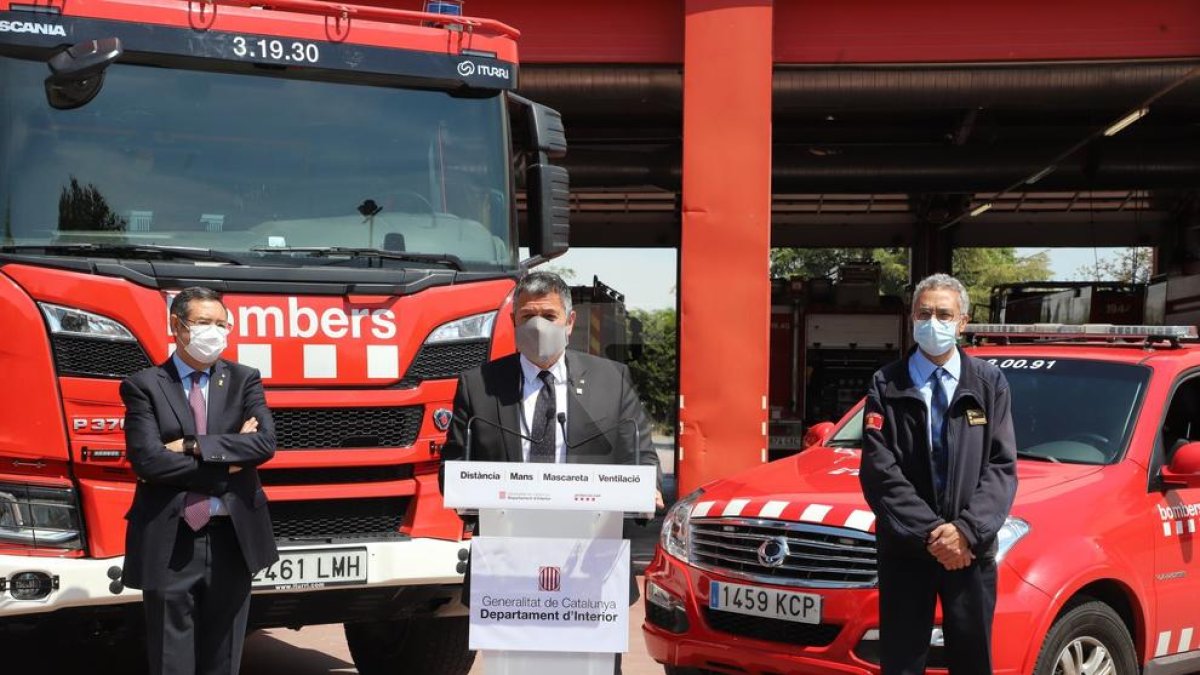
(767, 602)
(314, 568)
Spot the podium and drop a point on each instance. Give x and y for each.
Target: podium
(549, 573)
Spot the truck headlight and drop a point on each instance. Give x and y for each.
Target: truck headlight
(39, 516)
(1012, 531)
(475, 327)
(676, 532)
(71, 321)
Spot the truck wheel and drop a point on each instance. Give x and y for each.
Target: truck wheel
(410, 646)
(1088, 638)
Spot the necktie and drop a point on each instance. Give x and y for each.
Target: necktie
(541, 428)
(937, 429)
(196, 510)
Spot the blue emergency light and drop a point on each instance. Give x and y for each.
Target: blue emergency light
(448, 7)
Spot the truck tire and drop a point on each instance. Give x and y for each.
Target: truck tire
(410, 646)
(1086, 638)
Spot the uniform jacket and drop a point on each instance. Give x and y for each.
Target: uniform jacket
(156, 413)
(897, 468)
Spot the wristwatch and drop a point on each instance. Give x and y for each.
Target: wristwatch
(191, 446)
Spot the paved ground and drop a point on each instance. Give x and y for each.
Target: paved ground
(321, 650)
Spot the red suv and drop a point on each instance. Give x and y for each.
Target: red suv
(773, 571)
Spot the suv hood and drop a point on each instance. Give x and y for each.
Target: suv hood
(820, 486)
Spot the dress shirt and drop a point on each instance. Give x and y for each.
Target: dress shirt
(215, 505)
(920, 369)
(531, 384)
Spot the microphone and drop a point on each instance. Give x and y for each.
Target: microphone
(469, 443)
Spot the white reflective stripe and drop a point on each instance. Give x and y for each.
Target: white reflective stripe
(734, 507)
(1192, 526)
(1164, 643)
(815, 513)
(1185, 640)
(1179, 527)
(772, 509)
(383, 361)
(320, 361)
(861, 520)
(255, 356)
(701, 509)
(1167, 528)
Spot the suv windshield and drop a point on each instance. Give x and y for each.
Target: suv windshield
(1064, 410)
(254, 165)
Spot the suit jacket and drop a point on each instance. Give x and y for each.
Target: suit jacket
(603, 411)
(156, 413)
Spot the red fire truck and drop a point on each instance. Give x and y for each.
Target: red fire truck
(774, 570)
(346, 175)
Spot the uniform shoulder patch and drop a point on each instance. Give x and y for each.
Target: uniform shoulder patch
(874, 421)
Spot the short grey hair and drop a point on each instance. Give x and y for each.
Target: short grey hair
(538, 284)
(941, 281)
(181, 304)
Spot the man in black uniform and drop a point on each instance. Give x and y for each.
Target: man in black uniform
(939, 471)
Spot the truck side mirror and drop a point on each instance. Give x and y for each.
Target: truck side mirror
(548, 186)
(818, 434)
(1184, 470)
(77, 73)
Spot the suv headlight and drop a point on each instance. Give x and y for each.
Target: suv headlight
(676, 533)
(39, 516)
(1012, 531)
(71, 321)
(475, 327)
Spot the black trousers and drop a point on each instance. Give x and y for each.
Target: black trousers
(908, 591)
(196, 623)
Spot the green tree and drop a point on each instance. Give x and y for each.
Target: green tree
(83, 207)
(1131, 265)
(978, 268)
(654, 369)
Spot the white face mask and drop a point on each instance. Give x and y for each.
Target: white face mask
(540, 340)
(206, 343)
(935, 337)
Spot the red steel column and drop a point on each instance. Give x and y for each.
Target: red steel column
(724, 286)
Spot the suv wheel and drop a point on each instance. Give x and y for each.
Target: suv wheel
(415, 646)
(1089, 638)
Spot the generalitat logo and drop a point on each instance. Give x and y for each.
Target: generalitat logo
(549, 579)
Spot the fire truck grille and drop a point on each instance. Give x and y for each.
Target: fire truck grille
(817, 556)
(339, 518)
(89, 357)
(772, 630)
(312, 428)
(445, 361)
(331, 475)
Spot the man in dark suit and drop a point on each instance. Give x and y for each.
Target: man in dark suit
(195, 429)
(547, 403)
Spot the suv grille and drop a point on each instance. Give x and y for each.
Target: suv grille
(307, 428)
(339, 518)
(445, 361)
(90, 357)
(818, 556)
(772, 630)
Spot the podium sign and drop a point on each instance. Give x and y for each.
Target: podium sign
(562, 487)
(549, 595)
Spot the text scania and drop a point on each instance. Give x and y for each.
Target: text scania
(30, 27)
(305, 322)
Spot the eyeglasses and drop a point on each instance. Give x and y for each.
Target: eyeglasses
(941, 314)
(223, 325)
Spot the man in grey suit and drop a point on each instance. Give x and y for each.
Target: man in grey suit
(547, 403)
(195, 429)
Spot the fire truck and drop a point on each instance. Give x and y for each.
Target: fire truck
(828, 336)
(347, 176)
(774, 570)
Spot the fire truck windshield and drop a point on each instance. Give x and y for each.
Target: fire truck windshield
(1074, 411)
(264, 169)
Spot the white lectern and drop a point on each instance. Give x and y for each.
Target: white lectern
(549, 584)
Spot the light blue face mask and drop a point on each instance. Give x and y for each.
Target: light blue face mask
(935, 337)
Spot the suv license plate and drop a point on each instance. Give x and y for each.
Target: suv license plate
(771, 603)
(314, 568)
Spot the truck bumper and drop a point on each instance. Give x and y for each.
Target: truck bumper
(89, 582)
